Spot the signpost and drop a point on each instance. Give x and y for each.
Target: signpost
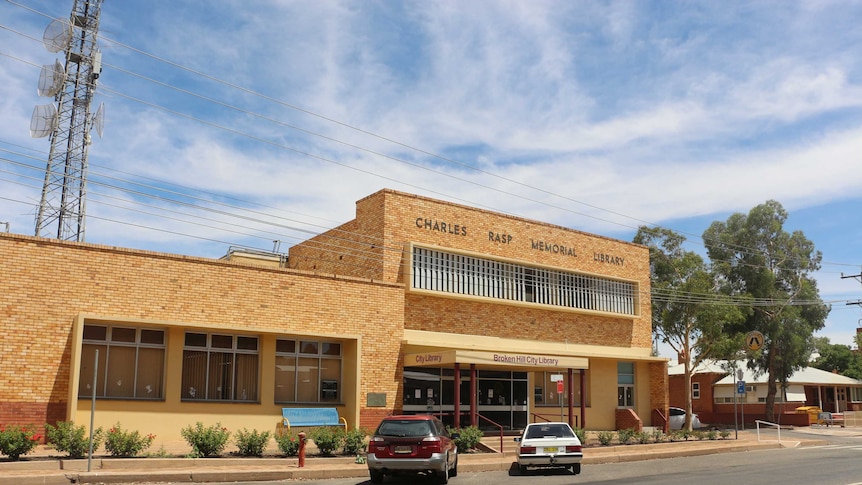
(558, 378)
(739, 381)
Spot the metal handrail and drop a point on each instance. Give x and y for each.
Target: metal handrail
(441, 414)
(664, 418)
(497, 425)
(537, 416)
(759, 422)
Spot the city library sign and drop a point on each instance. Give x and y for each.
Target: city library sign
(508, 359)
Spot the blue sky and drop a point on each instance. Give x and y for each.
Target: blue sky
(262, 121)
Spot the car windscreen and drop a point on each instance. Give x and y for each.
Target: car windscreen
(404, 428)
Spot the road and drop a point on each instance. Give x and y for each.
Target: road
(838, 463)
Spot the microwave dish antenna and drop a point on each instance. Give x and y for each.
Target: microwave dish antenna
(57, 35)
(51, 79)
(43, 121)
(99, 120)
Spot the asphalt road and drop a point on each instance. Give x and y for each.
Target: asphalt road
(838, 463)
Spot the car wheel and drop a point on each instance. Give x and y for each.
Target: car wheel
(444, 475)
(576, 468)
(454, 471)
(376, 476)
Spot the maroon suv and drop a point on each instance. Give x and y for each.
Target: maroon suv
(412, 444)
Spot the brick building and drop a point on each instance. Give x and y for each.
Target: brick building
(416, 305)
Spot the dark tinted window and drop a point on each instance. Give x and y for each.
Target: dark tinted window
(405, 428)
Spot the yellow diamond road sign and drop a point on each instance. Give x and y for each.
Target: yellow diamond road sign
(754, 340)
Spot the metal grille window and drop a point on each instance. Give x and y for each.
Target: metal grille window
(307, 371)
(467, 275)
(220, 367)
(131, 362)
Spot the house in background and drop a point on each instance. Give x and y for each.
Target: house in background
(714, 389)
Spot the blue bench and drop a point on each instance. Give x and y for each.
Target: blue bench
(310, 417)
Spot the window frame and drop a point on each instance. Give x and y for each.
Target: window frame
(215, 350)
(111, 370)
(626, 390)
(327, 384)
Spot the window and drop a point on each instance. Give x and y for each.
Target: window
(220, 367)
(467, 275)
(131, 362)
(856, 394)
(695, 390)
(625, 384)
(307, 371)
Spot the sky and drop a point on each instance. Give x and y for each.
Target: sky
(260, 123)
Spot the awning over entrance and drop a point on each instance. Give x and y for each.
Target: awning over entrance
(521, 353)
(507, 359)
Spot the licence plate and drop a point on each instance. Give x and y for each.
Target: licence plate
(403, 449)
(552, 449)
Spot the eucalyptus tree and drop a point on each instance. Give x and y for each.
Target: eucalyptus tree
(757, 258)
(688, 311)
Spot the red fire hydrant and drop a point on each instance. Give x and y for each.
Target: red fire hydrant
(301, 450)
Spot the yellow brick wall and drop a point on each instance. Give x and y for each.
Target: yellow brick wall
(391, 217)
(45, 284)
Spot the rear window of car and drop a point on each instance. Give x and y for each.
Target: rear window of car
(404, 428)
(542, 431)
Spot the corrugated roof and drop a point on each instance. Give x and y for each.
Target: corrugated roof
(807, 375)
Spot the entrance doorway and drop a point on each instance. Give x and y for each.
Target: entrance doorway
(501, 396)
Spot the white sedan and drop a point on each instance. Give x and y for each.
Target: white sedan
(676, 419)
(549, 445)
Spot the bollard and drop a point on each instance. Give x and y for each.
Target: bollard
(301, 450)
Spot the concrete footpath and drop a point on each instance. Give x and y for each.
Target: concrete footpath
(45, 466)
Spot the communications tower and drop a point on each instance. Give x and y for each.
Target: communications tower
(68, 121)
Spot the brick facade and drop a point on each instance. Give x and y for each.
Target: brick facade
(347, 284)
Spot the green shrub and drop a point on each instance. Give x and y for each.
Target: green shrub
(328, 439)
(642, 437)
(288, 442)
(354, 441)
(73, 440)
(725, 433)
(625, 435)
(467, 438)
(119, 442)
(16, 441)
(581, 433)
(251, 443)
(206, 442)
(698, 434)
(712, 434)
(605, 437)
(658, 436)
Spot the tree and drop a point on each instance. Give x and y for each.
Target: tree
(757, 258)
(687, 312)
(836, 358)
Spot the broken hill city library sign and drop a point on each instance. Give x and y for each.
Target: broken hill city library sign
(506, 359)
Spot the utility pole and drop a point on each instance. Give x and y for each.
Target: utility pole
(68, 121)
(857, 338)
(857, 277)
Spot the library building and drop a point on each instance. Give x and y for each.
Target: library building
(415, 306)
